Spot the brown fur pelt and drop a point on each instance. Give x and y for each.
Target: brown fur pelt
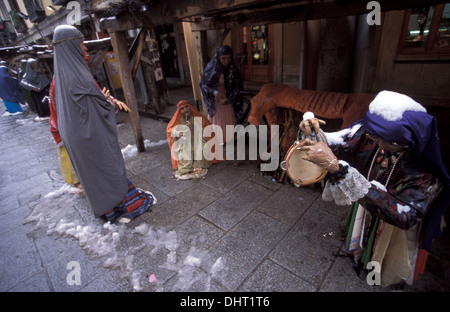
(349, 107)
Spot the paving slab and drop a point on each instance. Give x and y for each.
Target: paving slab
(182, 206)
(270, 277)
(288, 203)
(19, 259)
(252, 239)
(235, 205)
(231, 175)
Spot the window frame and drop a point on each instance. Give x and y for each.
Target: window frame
(428, 48)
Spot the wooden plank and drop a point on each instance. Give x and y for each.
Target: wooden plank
(136, 51)
(201, 51)
(295, 12)
(104, 43)
(125, 22)
(168, 12)
(194, 69)
(228, 14)
(220, 40)
(201, 44)
(161, 10)
(119, 43)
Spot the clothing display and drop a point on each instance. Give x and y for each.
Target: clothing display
(10, 91)
(38, 84)
(26, 92)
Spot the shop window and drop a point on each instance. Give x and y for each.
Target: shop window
(255, 44)
(253, 54)
(426, 30)
(259, 42)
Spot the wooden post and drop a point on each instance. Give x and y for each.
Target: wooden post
(219, 41)
(119, 44)
(136, 51)
(311, 45)
(202, 49)
(194, 69)
(202, 57)
(196, 48)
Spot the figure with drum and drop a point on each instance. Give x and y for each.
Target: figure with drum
(389, 170)
(301, 171)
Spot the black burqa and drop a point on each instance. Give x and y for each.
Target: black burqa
(37, 80)
(87, 124)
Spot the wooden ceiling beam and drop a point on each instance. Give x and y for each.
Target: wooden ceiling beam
(216, 15)
(295, 13)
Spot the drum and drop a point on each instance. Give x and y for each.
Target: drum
(301, 171)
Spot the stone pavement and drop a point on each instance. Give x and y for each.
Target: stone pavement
(234, 230)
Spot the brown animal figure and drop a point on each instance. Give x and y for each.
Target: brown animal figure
(349, 107)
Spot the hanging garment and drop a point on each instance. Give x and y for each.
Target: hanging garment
(10, 91)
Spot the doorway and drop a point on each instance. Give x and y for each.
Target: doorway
(169, 56)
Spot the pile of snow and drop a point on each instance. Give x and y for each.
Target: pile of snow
(131, 150)
(66, 213)
(391, 105)
(12, 114)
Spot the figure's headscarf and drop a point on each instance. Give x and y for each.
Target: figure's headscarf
(33, 79)
(233, 83)
(9, 87)
(397, 118)
(175, 121)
